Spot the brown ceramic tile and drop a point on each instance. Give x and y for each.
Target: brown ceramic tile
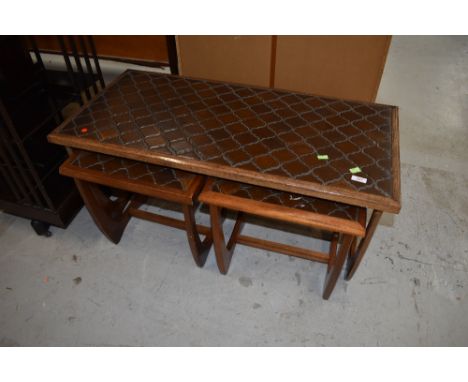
(108, 133)
(266, 161)
(155, 141)
(300, 149)
(327, 173)
(274, 143)
(228, 144)
(284, 155)
(296, 167)
(346, 146)
(237, 156)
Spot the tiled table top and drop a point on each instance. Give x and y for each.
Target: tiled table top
(254, 135)
(127, 169)
(285, 199)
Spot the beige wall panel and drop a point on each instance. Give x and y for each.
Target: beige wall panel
(241, 59)
(338, 66)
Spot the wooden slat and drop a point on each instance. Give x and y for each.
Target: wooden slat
(283, 248)
(28, 174)
(165, 220)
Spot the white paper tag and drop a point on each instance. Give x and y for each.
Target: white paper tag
(359, 179)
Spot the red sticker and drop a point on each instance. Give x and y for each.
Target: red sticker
(84, 130)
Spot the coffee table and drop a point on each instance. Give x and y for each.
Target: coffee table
(260, 136)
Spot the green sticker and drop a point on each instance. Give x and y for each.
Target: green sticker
(355, 170)
(322, 157)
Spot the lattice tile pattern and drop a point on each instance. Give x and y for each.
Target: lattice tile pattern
(266, 195)
(263, 130)
(125, 169)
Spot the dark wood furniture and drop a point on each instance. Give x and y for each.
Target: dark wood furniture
(257, 136)
(344, 221)
(30, 184)
(82, 78)
(140, 180)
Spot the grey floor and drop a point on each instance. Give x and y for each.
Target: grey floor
(76, 288)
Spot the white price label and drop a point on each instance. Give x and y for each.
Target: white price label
(359, 179)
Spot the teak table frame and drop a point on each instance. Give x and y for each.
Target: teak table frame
(259, 136)
(112, 216)
(349, 230)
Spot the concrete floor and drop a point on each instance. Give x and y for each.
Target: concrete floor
(76, 288)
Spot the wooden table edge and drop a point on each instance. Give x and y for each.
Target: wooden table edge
(396, 176)
(357, 198)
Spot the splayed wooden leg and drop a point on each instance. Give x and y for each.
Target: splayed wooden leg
(356, 256)
(110, 216)
(199, 248)
(335, 266)
(224, 252)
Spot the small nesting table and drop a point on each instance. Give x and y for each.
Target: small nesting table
(256, 136)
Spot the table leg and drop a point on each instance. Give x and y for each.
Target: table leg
(111, 217)
(199, 248)
(356, 256)
(224, 252)
(335, 265)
